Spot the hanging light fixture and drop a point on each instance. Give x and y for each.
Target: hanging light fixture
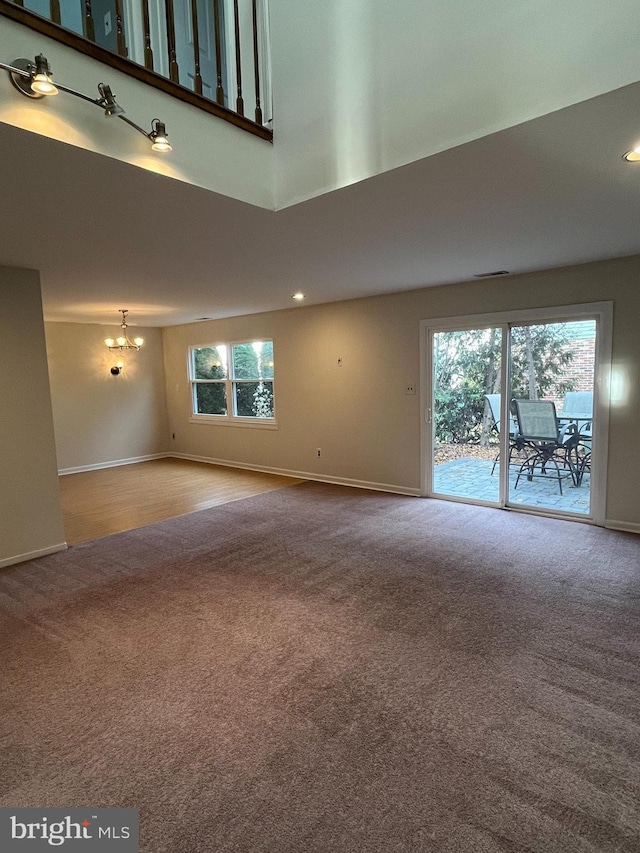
(122, 342)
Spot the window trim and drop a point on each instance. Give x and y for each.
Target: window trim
(230, 419)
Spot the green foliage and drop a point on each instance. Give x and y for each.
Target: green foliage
(210, 362)
(550, 359)
(211, 399)
(254, 399)
(263, 400)
(467, 366)
(464, 362)
(245, 362)
(252, 375)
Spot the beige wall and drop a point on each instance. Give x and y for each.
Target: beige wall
(30, 516)
(364, 86)
(368, 429)
(100, 418)
(242, 167)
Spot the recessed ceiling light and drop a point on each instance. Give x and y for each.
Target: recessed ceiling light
(632, 156)
(298, 296)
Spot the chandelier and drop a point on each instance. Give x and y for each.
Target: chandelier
(123, 342)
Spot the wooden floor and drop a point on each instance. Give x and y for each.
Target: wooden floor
(98, 503)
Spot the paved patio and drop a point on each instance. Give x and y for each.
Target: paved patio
(472, 478)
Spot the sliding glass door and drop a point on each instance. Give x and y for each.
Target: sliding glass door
(551, 384)
(516, 409)
(466, 402)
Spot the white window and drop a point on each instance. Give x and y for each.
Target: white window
(233, 382)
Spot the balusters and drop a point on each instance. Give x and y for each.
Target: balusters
(232, 43)
(236, 20)
(148, 52)
(197, 79)
(171, 42)
(216, 20)
(89, 24)
(256, 61)
(122, 46)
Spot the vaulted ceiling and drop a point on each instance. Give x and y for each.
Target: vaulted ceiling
(550, 192)
(359, 90)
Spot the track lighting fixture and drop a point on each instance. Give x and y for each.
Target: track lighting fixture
(35, 80)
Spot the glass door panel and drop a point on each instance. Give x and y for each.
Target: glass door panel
(551, 382)
(466, 414)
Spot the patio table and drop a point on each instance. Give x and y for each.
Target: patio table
(580, 459)
(575, 417)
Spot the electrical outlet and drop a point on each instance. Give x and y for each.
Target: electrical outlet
(409, 389)
(318, 452)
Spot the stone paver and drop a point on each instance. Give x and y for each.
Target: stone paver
(471, 478)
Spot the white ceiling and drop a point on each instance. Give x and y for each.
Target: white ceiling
(106, 235)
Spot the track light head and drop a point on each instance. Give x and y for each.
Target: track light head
(159, 136)
(35, 81)
(107, 101)
(42, 82)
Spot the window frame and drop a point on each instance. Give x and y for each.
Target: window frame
(229, 383)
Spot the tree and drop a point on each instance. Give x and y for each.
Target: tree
(263, 400)
(245, 362)
(539, 357)
(210, 363)
(467, 366)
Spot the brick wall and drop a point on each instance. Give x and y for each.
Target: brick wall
(581, 369)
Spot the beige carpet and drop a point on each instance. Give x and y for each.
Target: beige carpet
(327, 670)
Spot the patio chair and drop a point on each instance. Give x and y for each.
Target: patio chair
(515, 445)
(577, 403)
(548, 447)
(578, 408)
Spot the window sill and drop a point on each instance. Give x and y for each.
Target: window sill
(221, 420)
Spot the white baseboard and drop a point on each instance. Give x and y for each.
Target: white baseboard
(114, 463)
(303, 475)
(32, 555)
(626, 526)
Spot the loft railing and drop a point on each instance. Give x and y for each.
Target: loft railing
(212, 53)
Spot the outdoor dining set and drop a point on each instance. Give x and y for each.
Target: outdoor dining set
(546, 443)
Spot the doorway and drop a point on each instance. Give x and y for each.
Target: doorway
(543, 374)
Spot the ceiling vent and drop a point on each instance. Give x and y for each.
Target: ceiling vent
(491, 274)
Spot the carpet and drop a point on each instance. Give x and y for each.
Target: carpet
(329, 670)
